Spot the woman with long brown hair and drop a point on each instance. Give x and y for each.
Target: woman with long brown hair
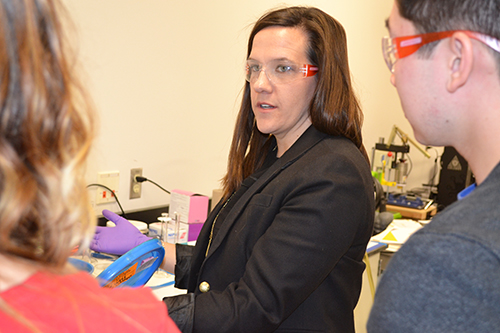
(283, 249)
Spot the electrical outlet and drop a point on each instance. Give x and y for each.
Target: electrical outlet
(110, 180)
(135, 186)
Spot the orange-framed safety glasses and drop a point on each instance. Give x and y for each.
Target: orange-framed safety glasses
(400, 47)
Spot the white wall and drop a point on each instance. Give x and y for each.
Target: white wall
(166, 77)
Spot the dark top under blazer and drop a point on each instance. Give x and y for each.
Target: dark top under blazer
(288, 256)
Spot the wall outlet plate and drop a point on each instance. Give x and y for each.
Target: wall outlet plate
(135, 186)
(111, 180)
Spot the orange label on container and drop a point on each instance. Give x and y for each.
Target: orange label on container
(122, 277)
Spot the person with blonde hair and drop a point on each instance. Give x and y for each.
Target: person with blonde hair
(46, 130)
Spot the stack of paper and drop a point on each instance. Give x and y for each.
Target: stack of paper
(397, 232)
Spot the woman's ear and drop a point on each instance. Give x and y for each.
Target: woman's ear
(461, 60)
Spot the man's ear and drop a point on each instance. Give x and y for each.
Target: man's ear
(461, 61)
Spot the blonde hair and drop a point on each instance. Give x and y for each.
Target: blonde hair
(46, 129)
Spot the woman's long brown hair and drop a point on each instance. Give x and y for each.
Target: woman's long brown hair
(334, 109)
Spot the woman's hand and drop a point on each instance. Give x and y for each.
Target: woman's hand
(119, 239)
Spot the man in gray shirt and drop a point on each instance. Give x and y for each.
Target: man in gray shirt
(444, 57)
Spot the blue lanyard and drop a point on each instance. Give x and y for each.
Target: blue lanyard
(465, 192)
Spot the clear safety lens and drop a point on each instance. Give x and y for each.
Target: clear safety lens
(390, 52)
(278, 71)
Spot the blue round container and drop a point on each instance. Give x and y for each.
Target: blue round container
(134, 268)
(81, 265)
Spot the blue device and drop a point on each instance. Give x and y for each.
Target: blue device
(134, 268)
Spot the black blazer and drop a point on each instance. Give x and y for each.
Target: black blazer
(288, 256)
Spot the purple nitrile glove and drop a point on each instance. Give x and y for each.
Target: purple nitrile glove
(119, 239)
